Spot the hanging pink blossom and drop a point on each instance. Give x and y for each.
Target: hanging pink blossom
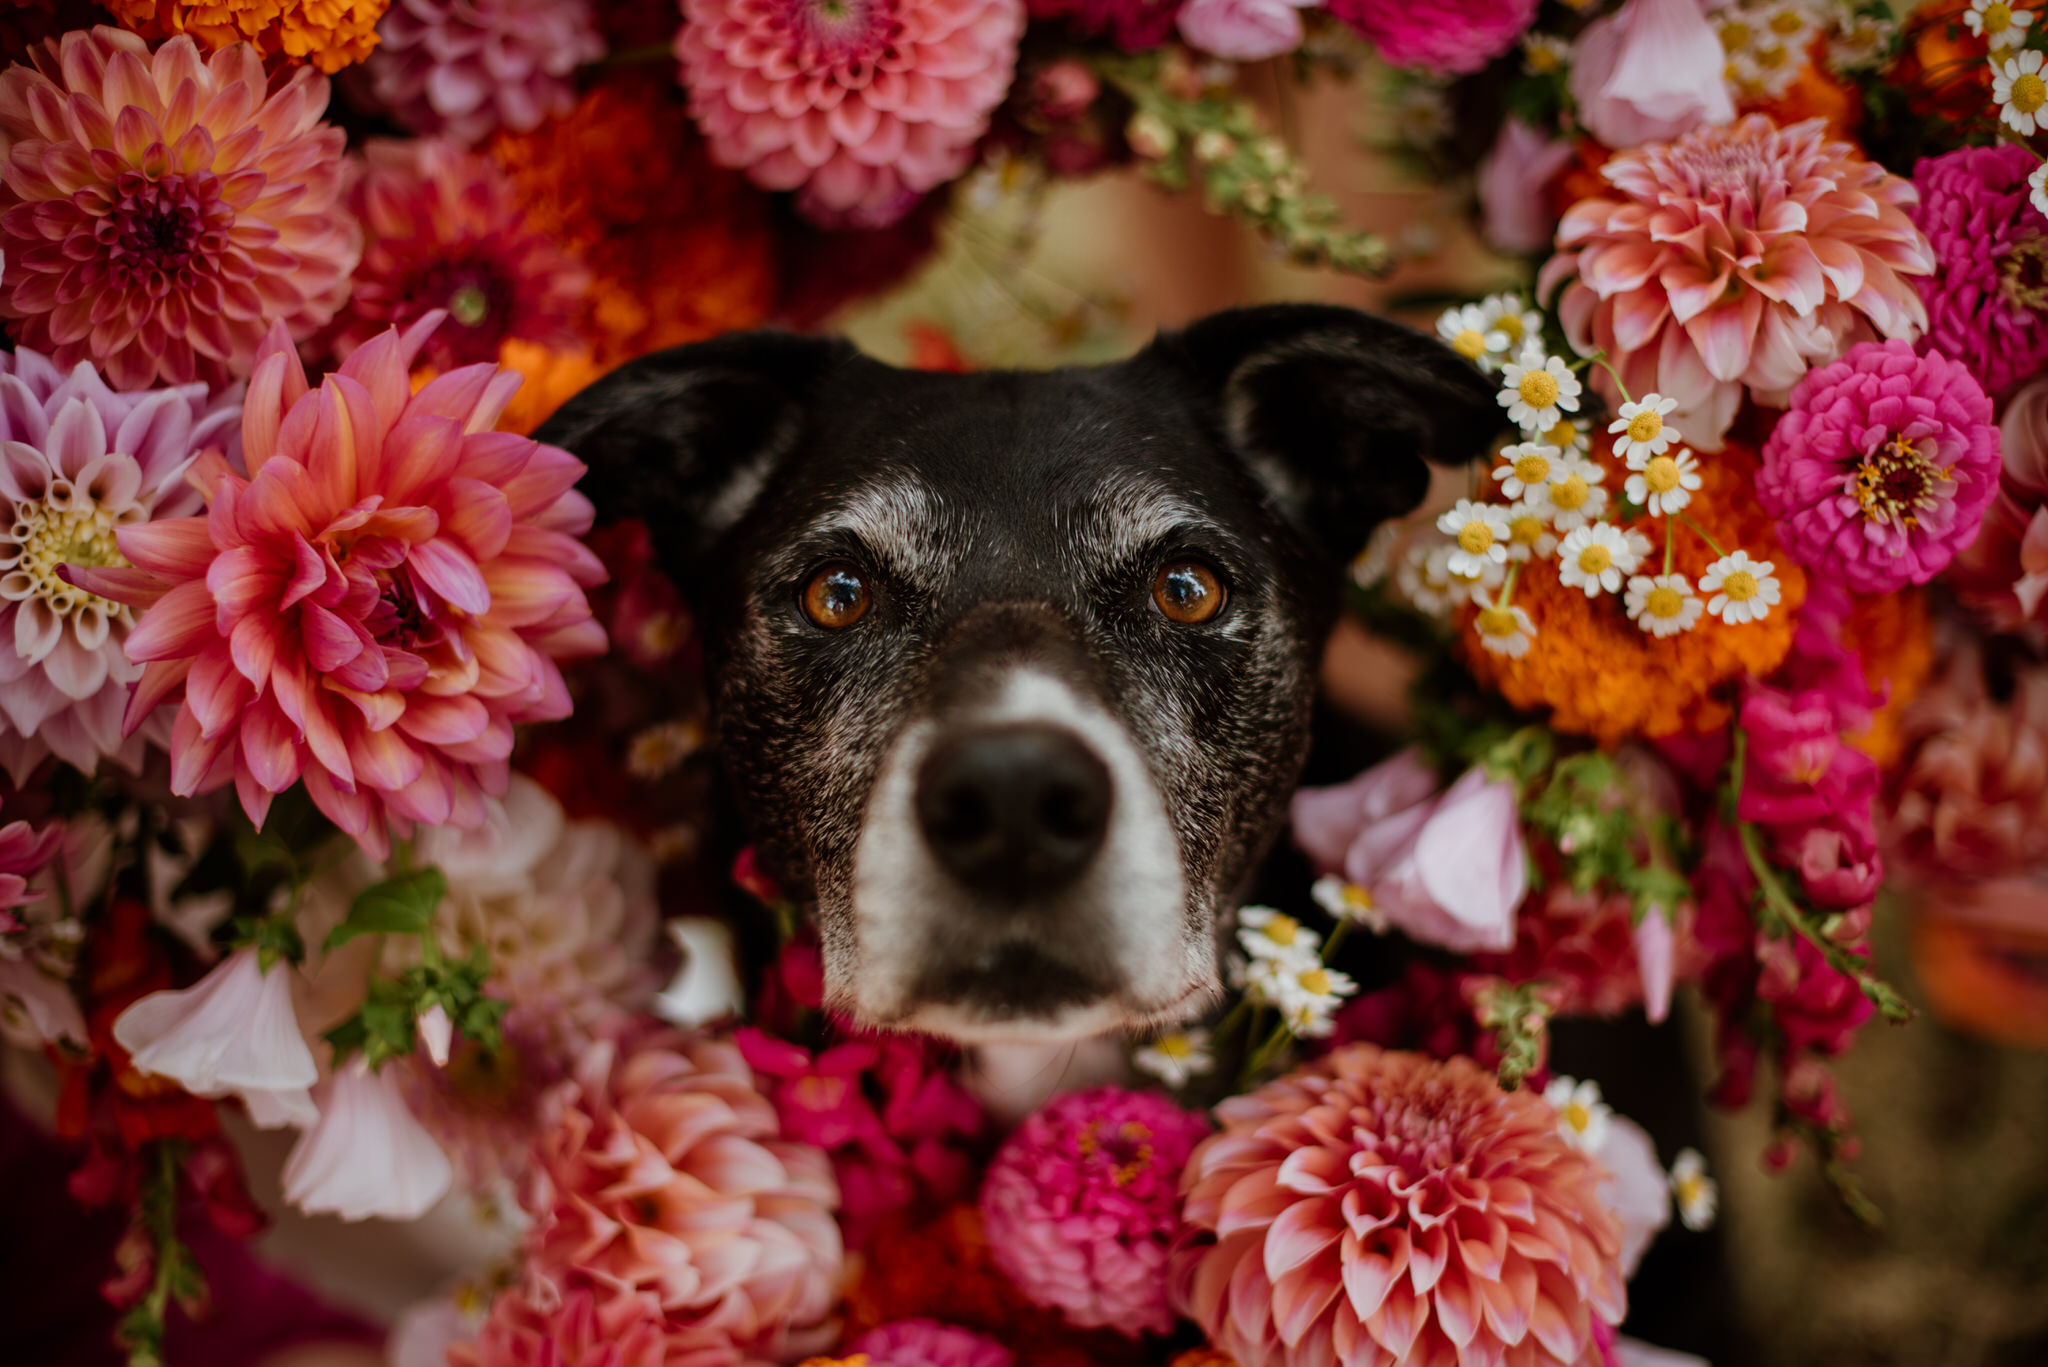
(1443, 37)
(1515, 212)
(1243, 30)
(1649, 72)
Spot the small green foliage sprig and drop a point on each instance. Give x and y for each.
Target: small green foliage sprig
(386, 1026)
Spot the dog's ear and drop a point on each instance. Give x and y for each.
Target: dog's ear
(684, 439)
(1335, 412)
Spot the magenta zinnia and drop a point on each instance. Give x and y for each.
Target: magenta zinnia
(160, 210)
(374, 606)
(1985, 302)
(1733, 259)
(1447, 37)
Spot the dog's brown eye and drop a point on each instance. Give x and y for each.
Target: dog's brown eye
(1188, 592)
(836, 597)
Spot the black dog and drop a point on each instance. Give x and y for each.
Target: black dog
(1012, 671)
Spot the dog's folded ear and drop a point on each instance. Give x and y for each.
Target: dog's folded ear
(684, 439)
(1335, 412)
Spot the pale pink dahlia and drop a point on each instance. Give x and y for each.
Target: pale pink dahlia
(1082, 1201)
(1882, 468)
(927, 1343)
(863, 105)
(161, 210)
(79, 462)
(1733, 259)
(374, 606)
(1985, 302)
(1375, 1208)
(1447, 37)
(662, 1175)
(466, 68)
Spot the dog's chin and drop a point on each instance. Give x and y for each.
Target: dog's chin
(986, 1014)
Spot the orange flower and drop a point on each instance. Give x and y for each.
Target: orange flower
(1816, 93)
(331, 34)
(1943, 69)
(552, 379)
(1894, 637)
(1603, 676)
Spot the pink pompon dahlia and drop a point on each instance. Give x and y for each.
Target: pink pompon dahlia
(1446, 37)
(445, 231)
(863, 105)
(1380, 1208)
(80, 462)
(662, 1174)
(1733, 259)
(160, 210)
(466, 68)
(585, 1329)
(927, 1343)
(374, 606)
(1882, 468)
(1985, 299)
(1082, 1201)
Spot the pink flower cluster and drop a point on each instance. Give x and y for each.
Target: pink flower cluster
(1985, 299)
(1446, 37)
(466, 68)
(927, 1343)
(2004, 572)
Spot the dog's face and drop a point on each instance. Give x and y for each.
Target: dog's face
(1012, 671)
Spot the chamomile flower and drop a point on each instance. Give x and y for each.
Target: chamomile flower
(1422, 114)
(1307, 996)
(1425, 579)
(1743, 589)
(1599, 556)
(1466, 331)
(1663, 484)
(1543, 54)
(1175, 1057)
(1571, 436)
(1537, 390)
(1697, 1195)
(1480, 531)
(1503, 628)
(1347, 901)
(1577, 500)
(2037, 188)
(1644, 433)
(1528, 468)
(1662, 604)
(2019, 91)
(1859, 40)
(1273, 935)
(1378, 556)
(1513, 319)
(1529, 534)
(1582, 1117)
(1999, 24)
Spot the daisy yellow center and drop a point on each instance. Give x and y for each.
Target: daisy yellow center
(1532, 469)
(1740, 586)
(1661, 474)
(1542, 60)
(1692, 1190)
(1476, 538)
(1735, 35)
(1470, 343)
(44, 537)
(1572, 494)
(1357, 898)
(1539, 387)
(1176, 1046)
(2029, 92)
(1578, 1116)
(1997, 19)
(1786, 23)
(1526, 530)
(1498, 621)
(1664, 601)
(1511, 327)
(1772, 57)
(1316, 982)
(1282, 930)
(1645, 426)
(1563, 436)
(1896, 482)
(1596, 559)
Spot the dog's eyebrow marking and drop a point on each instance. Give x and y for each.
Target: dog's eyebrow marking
(1131, 514)
(903, 523)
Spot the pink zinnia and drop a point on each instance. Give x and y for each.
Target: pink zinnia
(1445, 37)
(82, 460)
(374, 606)
(927, 1343)
(1985, 299)
(166, 265)
(863, 106)
(1382, 1208)
(1882, 469)
(1082, 1201)
(466, 68)
(1733, 259)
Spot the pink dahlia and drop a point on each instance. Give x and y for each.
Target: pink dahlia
(663, 1174)
(1446, 37)
(82, 461)
(466, 68)
(374, 606)
(586, 1329)
(445, 231)
(927, 1343)
(1733, 259)
(160, 210)
(1379, 1208)
(1133, 25)
(863, 105)
(1985, 300)
(1883, 467)
(1082, 1201)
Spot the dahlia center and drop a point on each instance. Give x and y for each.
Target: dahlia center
(490, 1078)
(44, 536)
(1475, 538)
(1664, 602)
(1645, 426)
(1469, 343)
(1498, 621)
(1595, 559)
(479, 310)
(156, 231)
(1896, 483)
(1538, 389)
(2029, 92)
(851, 32)
(1532, 469)
(1740, 586)
(1661, 474)
(1572, 494)
(408, 613)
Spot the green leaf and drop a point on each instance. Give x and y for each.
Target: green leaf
(403, 905)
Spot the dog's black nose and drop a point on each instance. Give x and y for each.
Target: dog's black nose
(1013, 810)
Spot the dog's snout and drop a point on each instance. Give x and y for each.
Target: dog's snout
(1012, 811)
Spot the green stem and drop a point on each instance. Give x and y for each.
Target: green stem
(1702, 534)
(1670, 535)
(1600, 359)
(1264, 1055)
(1337, 934)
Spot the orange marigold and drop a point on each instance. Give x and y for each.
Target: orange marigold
(552, 379)
(678, 249)
(1603, 676)
(330, 34)
(1894, 637)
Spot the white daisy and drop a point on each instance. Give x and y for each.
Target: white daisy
(1422, 114)
(1743, 589)
(2020, 91)
(1346, 901)
(1307, 996)
(1537, 390)
(1662, 604)
(1698, 1196)
(1504, 630)
(1572, 436)
(1529, 534)
(1466, 331)
(1378, 556)
(1267, 933)
(1543, 54)
(1582, 1117)
(1577, 499)
(1481, 531)
(1999, 24)
(1528, 469)
(1509, 316)
(1175, 1057)
(1644, 433)
(1425, 579)
(2037, 188)
(1598, 557)
(1664, 484)
(1859, 41)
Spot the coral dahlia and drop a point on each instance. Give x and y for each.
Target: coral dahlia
(467, 68)
(160, 210)
(1985, 300)
(1448, 37)
(374, 606)
(1379, 1208)
(1733, 259)
(81, 461)
(863, 105)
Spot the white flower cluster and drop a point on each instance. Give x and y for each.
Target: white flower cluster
(1285, 971)
(1767, 43)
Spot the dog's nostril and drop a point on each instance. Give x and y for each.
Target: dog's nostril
(1014, 810)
